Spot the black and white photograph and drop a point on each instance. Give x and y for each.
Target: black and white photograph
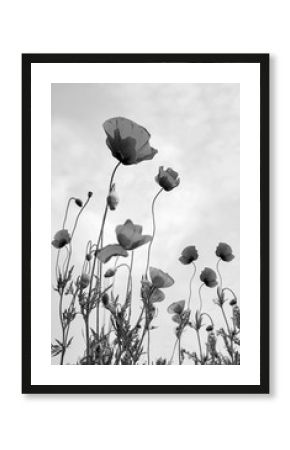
(145, 216)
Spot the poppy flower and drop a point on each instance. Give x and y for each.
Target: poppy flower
(188, 255)
(128, 141)
(168, 179)
(130, 236)
(160, 279)
(176, 307)
(110, 273)
(208, 277)
(224, 251)
(61, 238)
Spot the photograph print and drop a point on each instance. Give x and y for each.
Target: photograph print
(148, 206)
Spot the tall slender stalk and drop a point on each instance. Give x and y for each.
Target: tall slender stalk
(190, 286)
(129, 286)
(173, 352)
(199, 345)
(153, 231)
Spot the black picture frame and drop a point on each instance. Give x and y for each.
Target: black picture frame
(263, 61)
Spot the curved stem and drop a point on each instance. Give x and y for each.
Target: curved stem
(206, 314)
(190, 285)
(66, 211)
(219, 274)
(200, 298)
(229, 289)
(154, 230)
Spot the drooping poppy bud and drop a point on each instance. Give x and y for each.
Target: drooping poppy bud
(209, 328)
(112, 199)
(233, 302)
(90, 194)
(110, 273)
(88, 256)
(78, 202)
(105, 299)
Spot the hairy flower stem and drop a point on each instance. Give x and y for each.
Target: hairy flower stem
(190, 285)
(200, 298)
(153, 232)
(173, 352)
(98, 242)
(129, 286)
(148, 345)
(229, 332)
(219, 274)
(179, 350)
(87, 332)
(199, 345)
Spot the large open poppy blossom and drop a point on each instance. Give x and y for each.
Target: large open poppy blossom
(189, 254)
(160, 279)
(168, 179)
(224, 251)
(130, 236)
(61, 238)
(208, 277)
(128, 141)
(176, 307)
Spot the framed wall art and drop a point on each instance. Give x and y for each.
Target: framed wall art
(145, 223)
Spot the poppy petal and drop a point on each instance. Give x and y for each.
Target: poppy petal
(106, 253)
(160, 279)
(157, 296)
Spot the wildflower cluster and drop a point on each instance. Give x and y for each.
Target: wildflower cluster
(112, 337)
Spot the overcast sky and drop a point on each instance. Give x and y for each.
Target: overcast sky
(195, 128)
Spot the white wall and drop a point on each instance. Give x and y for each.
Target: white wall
(75, 422)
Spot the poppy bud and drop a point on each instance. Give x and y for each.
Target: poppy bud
(209, 328)
(88, 256)
(105, 299)
(233, 302)
(110, 273)
(84, 280)
(78, 202)
(90, 194)
(112, 199)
